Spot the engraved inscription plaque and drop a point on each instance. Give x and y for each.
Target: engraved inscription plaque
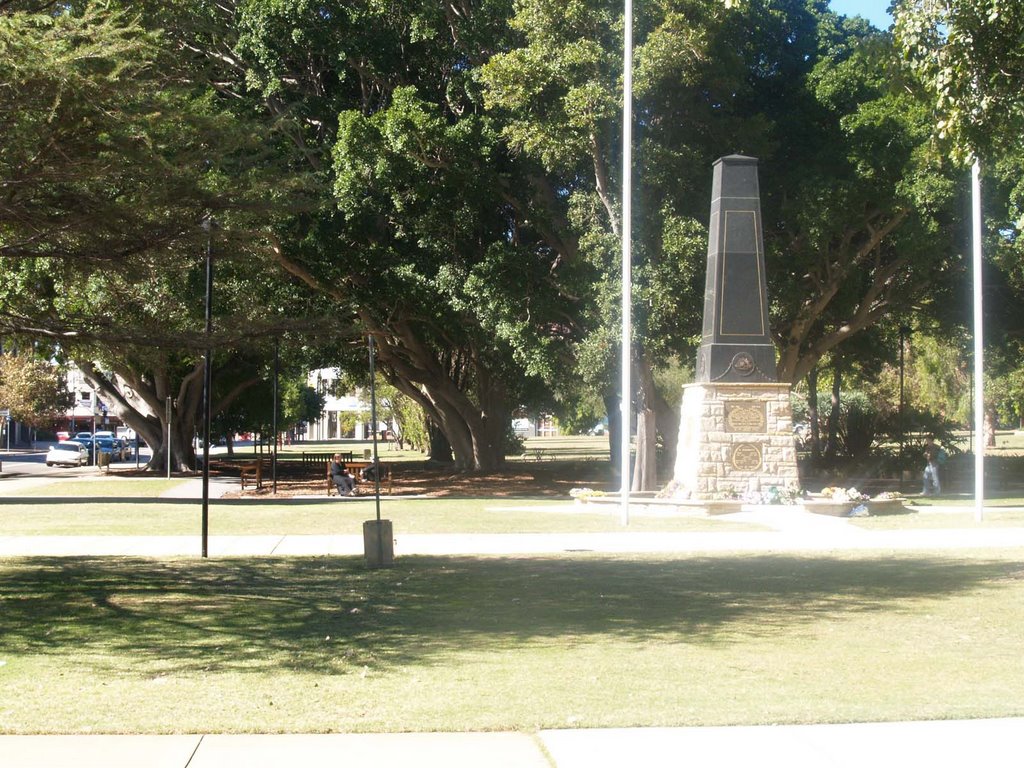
(746, 416)
(746, 457)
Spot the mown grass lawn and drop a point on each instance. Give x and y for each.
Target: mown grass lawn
(115, 516)
(441, 643)
(943, 517)
(75, 490)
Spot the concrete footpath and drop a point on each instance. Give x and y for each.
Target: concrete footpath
(944, 744)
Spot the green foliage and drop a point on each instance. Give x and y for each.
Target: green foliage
(300, 403)
(394, 407)
(969, 53)
(940, 378)
(860, 420)
(32, 389)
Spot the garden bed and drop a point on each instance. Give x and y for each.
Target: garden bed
(870, 507)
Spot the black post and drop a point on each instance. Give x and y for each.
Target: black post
(167, 412)
(376, 464)
(207, 384)
(273, 428)
(903, 337)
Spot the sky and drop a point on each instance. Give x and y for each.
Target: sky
(872, 10)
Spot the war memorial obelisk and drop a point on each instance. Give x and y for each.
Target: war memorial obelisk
(736, 425)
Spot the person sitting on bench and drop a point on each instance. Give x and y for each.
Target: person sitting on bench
(343, 481)
(371, 472)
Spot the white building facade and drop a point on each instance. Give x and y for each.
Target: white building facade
(344, 416)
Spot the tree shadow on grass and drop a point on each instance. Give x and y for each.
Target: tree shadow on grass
(330, 614)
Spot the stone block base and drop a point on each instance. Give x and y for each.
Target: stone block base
(734, 439)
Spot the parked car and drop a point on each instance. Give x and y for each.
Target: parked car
(111, 445)
(121, 446)
(69, 453)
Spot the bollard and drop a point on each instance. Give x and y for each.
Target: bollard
(378, 543)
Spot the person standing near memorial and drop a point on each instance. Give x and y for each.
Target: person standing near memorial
(934, 456)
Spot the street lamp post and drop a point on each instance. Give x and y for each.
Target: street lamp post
(207, 382)
(273, 418)
(168, 413)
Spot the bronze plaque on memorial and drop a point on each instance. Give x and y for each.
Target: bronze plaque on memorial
(746, 416)
(746, 457)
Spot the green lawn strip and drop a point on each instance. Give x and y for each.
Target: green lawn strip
(932, 518)
(106, 487)
(251, 517)
(938, 504)
(321, 644)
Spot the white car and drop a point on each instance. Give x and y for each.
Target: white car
(69, 453)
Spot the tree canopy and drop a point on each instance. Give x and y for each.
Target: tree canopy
(446, 178)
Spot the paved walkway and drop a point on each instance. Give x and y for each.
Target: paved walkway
(946, 744)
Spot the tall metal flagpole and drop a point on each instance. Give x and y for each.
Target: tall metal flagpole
(979, 349)
(627, 254)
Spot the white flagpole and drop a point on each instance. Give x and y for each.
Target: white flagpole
(627, 254)
(979, 349)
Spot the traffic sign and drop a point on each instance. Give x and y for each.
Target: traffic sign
(5, 413)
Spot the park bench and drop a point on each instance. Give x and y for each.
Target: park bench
(355, 468)
(312, 457)
(252, 471)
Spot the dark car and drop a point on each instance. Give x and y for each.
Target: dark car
(96, 445)
(110, 445)
(121, 449)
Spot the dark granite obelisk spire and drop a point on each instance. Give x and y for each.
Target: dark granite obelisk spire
(736, 345)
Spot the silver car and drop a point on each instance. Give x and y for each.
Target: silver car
(69, 453)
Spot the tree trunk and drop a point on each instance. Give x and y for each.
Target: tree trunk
(990, 428)
(645, 472)
(832, 446)
(668, 425)
(611, 407)
(440, 450)
(140, 401)
(475, 427)
(435, 371)
(812, 413)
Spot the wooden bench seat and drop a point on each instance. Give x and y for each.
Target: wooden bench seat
(355, 468)
(252, 471)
